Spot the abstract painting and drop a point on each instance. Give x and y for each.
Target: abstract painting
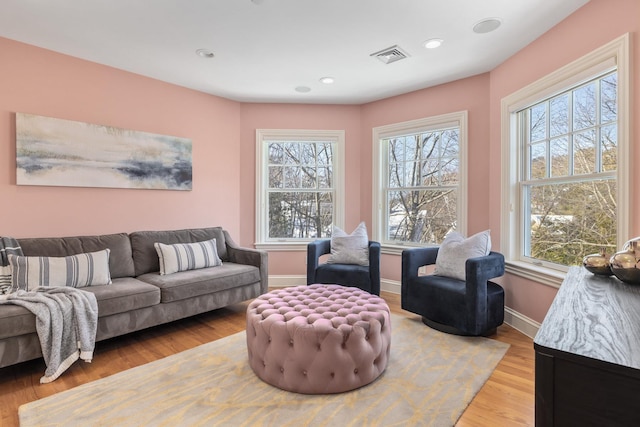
(56, 152)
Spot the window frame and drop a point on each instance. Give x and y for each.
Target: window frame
(380, 164)
(263, 138)
(613, 55)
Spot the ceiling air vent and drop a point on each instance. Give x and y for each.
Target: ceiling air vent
(391, 54)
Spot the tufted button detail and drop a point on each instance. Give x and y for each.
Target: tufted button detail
(281, 369)
(291, 342)
(304, 373)
(333, 374)
(355, 371)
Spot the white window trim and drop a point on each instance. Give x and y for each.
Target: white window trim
(458, 119)
(337, 136)
(614, 53)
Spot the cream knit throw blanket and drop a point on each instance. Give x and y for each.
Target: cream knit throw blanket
(66, 323)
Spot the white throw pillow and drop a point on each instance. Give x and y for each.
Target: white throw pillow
(77, 271)
(187, 256)
(349, 248)
(455, 250)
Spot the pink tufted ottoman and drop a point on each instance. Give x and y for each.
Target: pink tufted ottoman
(319, 338)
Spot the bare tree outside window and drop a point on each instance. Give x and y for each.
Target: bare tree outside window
(300, 189)
(421, 189)
(569, 187)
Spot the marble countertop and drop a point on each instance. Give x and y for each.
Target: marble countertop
(596, 317)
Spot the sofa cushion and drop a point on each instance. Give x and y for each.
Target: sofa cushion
(124, 294)
(16, 320)
(77, 271)
(144, 253)
(187, 256)
(120, 259)
(192, 283)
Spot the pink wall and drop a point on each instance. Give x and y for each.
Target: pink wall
(592, 26)
(38, 81)
(300, 116)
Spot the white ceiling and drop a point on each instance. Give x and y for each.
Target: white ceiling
(264, 49)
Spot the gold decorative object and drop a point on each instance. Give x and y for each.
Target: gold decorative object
(598, 263)
(625, 264)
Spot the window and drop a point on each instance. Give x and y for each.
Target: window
(299, 182)
(420, 186)
(568, 187)
(565, 165)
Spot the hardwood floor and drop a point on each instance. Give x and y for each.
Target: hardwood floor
(507, 398)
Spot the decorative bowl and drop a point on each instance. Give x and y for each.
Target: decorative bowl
(625, 265)
(598, 263)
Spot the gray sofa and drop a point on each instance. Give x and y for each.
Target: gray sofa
(139, 296)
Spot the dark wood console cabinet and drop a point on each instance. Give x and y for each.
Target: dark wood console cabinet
(588, 354)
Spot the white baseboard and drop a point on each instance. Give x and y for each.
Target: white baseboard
(286, 281)
(516, 320)
(520, 322)
(392, 286)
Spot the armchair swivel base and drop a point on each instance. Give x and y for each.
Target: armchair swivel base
(496, 315)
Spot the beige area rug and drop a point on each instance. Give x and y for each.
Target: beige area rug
(430, 379)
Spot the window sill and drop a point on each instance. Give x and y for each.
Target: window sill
(545, 276)
(282, 246)
(396, 249)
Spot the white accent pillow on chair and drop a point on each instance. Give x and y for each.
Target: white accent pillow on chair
(349, 248)
(455, 250)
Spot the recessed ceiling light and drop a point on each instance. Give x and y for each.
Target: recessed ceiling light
(433, 43)
(204, 53)
(486, 25)
(327, 80)
(303, 89)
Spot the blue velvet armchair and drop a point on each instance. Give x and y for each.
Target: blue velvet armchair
(363, 277)
(474, 306)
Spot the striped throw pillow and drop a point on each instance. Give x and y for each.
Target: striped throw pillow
(8, 246)
(77, 271)
(187, 256)
(5, 279)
